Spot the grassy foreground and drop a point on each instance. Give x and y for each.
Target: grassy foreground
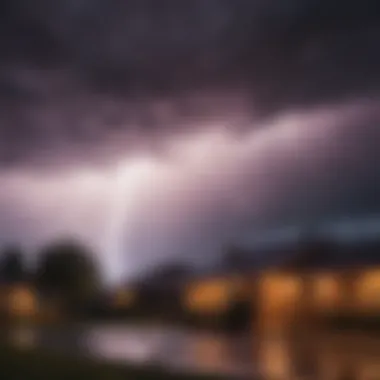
(16, 364)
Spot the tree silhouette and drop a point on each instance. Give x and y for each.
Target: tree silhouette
(234, 258)
(312, 251)
(66, 271)
(12, 267)
(169, 272)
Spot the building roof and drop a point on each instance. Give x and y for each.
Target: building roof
(305, 256)
(323, 255)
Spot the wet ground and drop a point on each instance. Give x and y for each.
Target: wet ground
(322, 356)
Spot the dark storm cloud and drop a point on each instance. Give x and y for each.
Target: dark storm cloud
(317, 181)
(145, 46)
(84, 70)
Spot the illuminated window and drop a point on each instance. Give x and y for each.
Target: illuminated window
(22, 301)
(280, 293)
(124, 298)
(326, 291)
(210, 296)
(368, 289)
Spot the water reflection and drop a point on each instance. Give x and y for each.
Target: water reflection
(221, 353)
(23, 337)
(274, 359)
(125, 343)
(325, 357)
(321, 357)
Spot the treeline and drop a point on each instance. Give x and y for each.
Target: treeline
(63, 270)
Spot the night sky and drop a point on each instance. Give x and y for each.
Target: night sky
(156, 129)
